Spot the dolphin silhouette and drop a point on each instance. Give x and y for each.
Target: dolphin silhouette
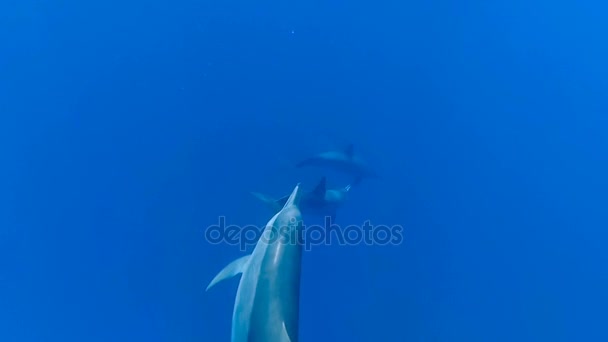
(320, 201)
(344, 161)
(266, 308)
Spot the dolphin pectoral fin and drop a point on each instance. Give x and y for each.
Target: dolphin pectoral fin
(281, 202)
(232, 269)
(262, 197)
(276, 205)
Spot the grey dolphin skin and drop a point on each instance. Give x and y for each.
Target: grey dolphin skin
(266, 307)
(344, 161)
(321, 201)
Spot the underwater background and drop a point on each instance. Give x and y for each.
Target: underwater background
(129, 127)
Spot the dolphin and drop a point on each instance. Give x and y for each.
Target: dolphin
(320, 201)
(344, 161)
(266, 308)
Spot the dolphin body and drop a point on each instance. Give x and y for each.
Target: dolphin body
(344, 161)
(321, 201)
(266, 307)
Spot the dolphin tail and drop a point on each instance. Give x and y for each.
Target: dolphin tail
(232, 269)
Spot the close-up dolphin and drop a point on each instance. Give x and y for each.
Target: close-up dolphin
(266, 308)
(320, 201)
(344, 161)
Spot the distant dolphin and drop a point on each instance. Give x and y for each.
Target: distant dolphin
(342, 160)
(266, 307)
(321, 201)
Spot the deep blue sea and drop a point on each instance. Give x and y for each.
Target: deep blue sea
(127, 128)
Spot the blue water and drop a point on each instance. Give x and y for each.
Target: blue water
(128, 127)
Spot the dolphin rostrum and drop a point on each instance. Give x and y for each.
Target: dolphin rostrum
(344, 161)
(266, 307)
(320, 201)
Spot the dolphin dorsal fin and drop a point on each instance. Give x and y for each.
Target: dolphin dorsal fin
(232, 269)
(349, 150)
(320, 189)
(294, 198)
